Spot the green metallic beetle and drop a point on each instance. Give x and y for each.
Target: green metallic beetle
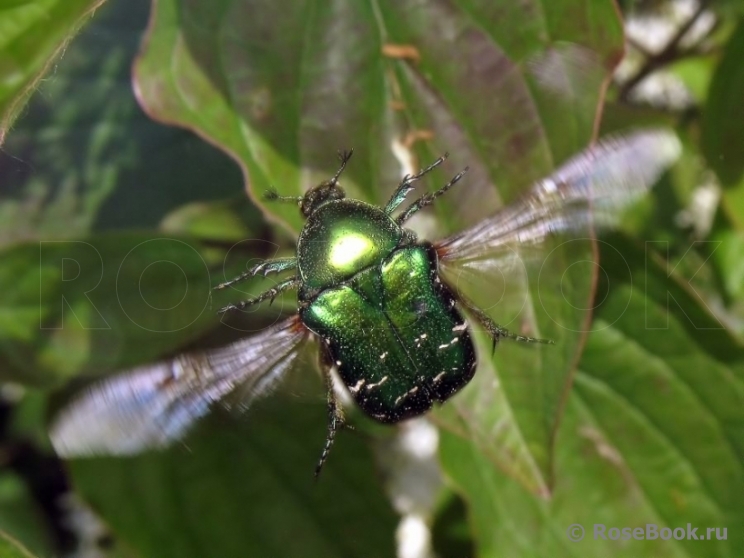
(372, 293)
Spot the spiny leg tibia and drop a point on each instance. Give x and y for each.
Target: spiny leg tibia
(272, 293)
(406, 185)
(266, 267)
(335, 421)
(496, 331)
(428, 199)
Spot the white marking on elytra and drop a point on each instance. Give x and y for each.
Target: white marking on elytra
(411, 391)
(438, 377)
(383, 355)
(378, 384)
(461, 327)
(419, 339)
(338, 363)
(446, 345)
(356, 387)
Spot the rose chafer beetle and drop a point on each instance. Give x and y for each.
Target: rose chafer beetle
(371, 292)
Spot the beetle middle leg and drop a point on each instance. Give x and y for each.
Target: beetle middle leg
(495, 331)
(269, 266)
(335, 419)
(272, 293)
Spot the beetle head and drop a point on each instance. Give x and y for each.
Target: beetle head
(320, 194)
(326, 191)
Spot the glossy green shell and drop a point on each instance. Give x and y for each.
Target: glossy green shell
(341, 238)
(394, 334)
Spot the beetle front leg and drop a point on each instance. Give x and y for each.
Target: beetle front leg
(272, 293)
(406, 185)
(428, 199)
(265, 267)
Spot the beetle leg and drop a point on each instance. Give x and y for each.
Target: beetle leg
(406, 185)
(428, 199)
(272, 293)
(335, 421)
(266, 267)
(496, 331)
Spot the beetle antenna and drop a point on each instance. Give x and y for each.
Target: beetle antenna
(272, 195)
(344, 157)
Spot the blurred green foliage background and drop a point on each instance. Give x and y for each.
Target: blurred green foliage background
(130, 134)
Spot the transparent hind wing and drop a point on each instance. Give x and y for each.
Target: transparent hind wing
(151, 406)
(588, 191)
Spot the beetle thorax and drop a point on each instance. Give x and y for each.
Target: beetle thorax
(340, 239)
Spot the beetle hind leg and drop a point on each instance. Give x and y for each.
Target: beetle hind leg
(335, 421)
(495, 331)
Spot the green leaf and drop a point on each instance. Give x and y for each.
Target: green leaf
(20, 519)
(11, 548)
(111, 301)
(33, 34)
(695, 72)
(652, 434)
(509, 90)
(450, 531)
(733, 205)
(85, 156)
(722, 134)
(241, 488)
(729, 257)
(231, 221)
(277, 111)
